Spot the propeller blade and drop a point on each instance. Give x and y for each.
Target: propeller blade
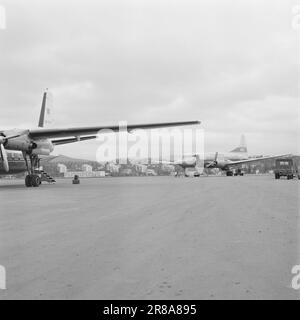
(4, 158)
(216, 156)
(213, 163)
(3, 139)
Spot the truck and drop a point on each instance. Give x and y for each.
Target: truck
(286, 167)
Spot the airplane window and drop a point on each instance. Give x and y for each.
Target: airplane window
(284, 163)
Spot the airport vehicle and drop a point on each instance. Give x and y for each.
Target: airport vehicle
(285, 167)
(41, 142)
(76, 179)
(226, 161)
(238, 172)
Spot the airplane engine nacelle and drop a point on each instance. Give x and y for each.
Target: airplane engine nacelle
(21, 144)
(223, 166)
(43, 147)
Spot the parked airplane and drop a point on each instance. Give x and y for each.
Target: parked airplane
(224, 161)
(41, 142)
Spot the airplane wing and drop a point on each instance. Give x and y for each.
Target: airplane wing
(232, 163)
(87, 133)
(72, 140)
(163, 162)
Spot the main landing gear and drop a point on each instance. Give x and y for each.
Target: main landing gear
(32, 179)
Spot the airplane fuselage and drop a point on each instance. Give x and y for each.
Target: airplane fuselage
(16, 163)
(223, 159)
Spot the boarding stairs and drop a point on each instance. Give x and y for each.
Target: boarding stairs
(45, 176)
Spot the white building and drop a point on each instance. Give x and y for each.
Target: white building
(62, 168)
(113, 168)
(87, 168)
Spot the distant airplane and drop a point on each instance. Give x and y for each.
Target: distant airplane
(224, 160)
(38, 142)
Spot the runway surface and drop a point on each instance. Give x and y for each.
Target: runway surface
(150, 238)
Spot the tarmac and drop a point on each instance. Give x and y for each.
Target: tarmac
(150, 238)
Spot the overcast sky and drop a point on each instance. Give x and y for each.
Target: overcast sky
(234, 65)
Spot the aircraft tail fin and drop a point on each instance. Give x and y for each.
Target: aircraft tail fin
(45, 113)
(242, 148)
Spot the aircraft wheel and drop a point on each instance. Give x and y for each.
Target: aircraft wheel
(35, 180)
(28, 181)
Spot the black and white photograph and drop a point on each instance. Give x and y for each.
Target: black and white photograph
(149, 151)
